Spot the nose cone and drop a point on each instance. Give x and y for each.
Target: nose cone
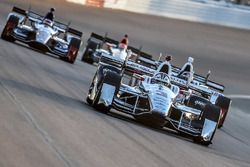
(160, 105)
(42, 36)
(153, 119)
(160, 98)
(158, 113)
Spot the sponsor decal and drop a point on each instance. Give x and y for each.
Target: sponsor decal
(162, 94)
(178, 80)
(139, 67)
(197, 102)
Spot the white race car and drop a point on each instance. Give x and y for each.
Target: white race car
(152, 100)
(43, 34)
(204, 91)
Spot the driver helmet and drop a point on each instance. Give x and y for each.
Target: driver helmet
(52, 9)
(168, 58)
(190, 59)
(122, 46)
(48, 22)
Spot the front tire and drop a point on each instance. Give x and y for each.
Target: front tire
(90, 49)
(100, 107)
(73, 50)
(211, 112)
(92, 86)
(9, 27)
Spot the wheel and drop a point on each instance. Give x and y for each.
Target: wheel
(86, 58)
(210, 112)
(199, 140)
(74, 46)
(10, 25)
(87, 55)
(89, 101)
(110, 78)
(91, 91)
(224, 104)
(100, 107)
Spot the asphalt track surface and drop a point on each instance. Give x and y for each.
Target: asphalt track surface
(44, 120)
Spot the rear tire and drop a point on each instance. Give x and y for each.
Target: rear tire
(8, 29)
(74, 46)
(224, 104)
(90, 49)
(211, 112)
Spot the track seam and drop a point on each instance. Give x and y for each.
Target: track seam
(45, 136)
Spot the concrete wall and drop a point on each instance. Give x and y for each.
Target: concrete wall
(202, 11)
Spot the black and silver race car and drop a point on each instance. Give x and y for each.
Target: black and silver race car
(151, 100)
(205, 90)
(43, 34)
(96, 44)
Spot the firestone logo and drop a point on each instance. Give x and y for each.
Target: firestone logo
(199, 103)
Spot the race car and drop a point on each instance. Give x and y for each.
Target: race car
(152, 101)
(96, 44)
(42, 34)
(205, 90)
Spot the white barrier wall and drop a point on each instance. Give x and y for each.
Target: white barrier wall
(213, 13)
(82, 2)
(115, 4)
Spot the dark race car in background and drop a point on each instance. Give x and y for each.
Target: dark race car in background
(96, 44)
(42, 34)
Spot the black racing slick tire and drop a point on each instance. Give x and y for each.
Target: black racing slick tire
(100, 107)
(110, 78)
(74, 46)
(90, 49)
(9, 27)
(224, 103)
(93, 84)
(210, 112)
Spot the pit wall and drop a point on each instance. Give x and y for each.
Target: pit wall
(190, 10)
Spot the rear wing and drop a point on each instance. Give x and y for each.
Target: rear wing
(35, 17)
(39, 18)
(75, 32)
(19, 11)
(201, 80)
(200, 83)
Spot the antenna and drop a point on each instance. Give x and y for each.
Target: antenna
(104, 39)
(208, 74)
(160, 57)
(29, 8)
(27, 14)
